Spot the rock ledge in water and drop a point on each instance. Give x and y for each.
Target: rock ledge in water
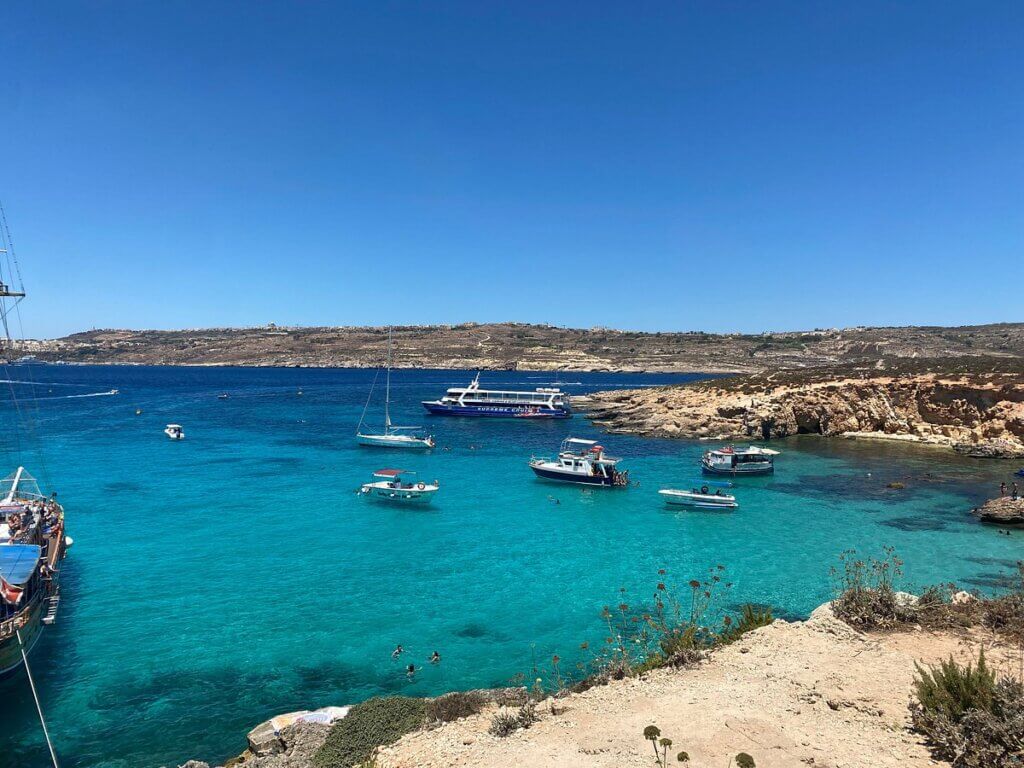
(1004, 510)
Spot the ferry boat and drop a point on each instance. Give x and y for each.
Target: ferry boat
(541, 403)
(701, 498)
(32, 544)
(583, 462)
(751, 460)
(388, 485)
(392, 436)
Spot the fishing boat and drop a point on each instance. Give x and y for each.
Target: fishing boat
(392, 436)
(583, 462)
(702, 497)
(751, 460)
(541, 403)
(394, 485)
(32, 536)
(175, 432)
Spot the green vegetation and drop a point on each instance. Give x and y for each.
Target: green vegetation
(453, 706)
(506, 722)
(969, 717)
(376, 722)
(866, 598)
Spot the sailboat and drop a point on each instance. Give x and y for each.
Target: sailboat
(32, 537)
(392, 436)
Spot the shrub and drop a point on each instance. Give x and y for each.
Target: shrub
(453, 706)
(504, 723)
(952, 690)
(969, 718)
(376, 722)
(751, 617)
(865, 591)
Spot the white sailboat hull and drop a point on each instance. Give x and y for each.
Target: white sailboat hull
(396, 441)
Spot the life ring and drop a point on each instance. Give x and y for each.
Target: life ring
(704, 489)
(420, 486)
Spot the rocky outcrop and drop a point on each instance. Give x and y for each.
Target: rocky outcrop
(1004, 511)
(981, 412)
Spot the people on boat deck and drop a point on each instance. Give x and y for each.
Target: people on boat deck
(435, 658)
(397, 652)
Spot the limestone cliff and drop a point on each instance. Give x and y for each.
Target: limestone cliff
(974, 408)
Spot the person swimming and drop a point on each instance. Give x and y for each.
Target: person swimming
(435, 658)
(410, 670)
(397, 652)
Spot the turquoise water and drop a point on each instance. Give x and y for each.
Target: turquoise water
(233, 576)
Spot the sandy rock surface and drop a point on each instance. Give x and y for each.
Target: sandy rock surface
(814, 693)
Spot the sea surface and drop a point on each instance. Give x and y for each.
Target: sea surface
(236, 575)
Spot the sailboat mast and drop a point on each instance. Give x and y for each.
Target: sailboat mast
(387, 388)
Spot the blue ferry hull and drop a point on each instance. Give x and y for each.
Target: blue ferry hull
(497, 411)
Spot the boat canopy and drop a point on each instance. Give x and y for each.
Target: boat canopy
(579, 441)
(750, 450)
(390, 472)
(174, 426)
(18, 562)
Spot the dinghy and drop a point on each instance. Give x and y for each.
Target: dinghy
(701, 498)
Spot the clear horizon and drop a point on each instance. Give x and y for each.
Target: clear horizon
(708, 167)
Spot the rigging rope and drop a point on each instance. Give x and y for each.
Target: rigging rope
(365, 407)
(39, 708)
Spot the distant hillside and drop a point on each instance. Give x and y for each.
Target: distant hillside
(533, 347)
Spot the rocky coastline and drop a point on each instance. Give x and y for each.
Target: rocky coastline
(521, 346)
(815, 692)
(976, 409)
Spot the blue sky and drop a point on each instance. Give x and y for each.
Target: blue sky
(664, 166)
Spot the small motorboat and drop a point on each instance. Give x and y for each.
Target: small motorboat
(223, 396)
(390, 485)
(702, 497)
(175, 432)
(751, 460)
(583, 462)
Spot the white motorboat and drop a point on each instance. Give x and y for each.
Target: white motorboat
(702, 498)
(751, 460)
(583, 462)
(392, 436)
(390, 485)
(175, 432)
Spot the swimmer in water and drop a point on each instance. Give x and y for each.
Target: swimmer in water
(397, 652)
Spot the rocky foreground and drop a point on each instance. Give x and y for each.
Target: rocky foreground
(794, 694)
(529, 347)
(974, 407)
